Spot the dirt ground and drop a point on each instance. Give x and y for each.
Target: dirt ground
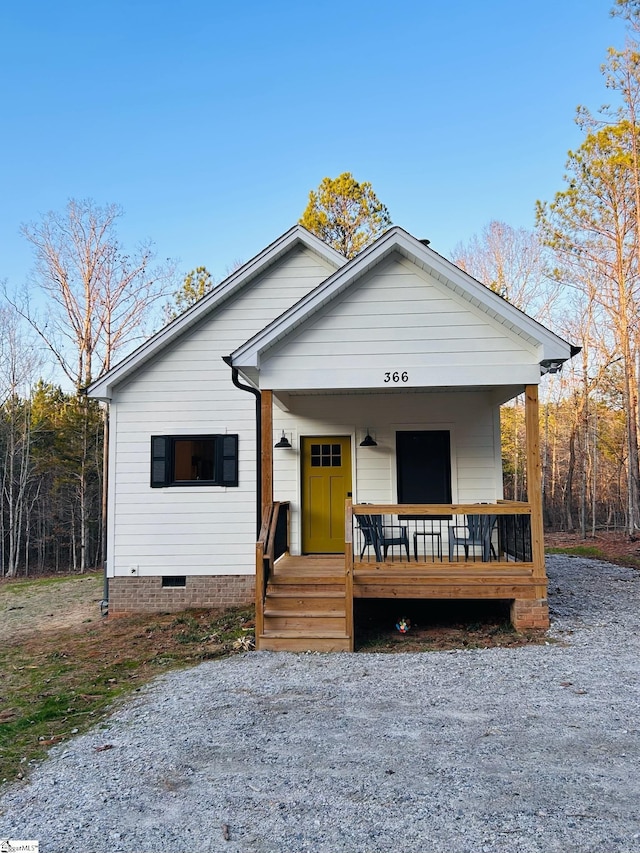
(28, 606)
(615, 547)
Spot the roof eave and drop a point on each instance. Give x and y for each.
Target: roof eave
(102, 388)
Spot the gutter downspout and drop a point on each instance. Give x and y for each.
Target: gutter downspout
(104, 603)
(256, 394)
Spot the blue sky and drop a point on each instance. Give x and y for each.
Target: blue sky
(210, 122)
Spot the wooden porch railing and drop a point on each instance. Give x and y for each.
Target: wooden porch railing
(273, 542)
(419, 533)
(406, 551)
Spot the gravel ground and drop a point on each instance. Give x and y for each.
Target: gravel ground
(506, 749)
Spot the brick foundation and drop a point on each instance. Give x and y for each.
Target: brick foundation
(529, 613)
(147, 595)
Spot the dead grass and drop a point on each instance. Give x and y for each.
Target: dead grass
(614, 547)
(55, 684)
(28, 605)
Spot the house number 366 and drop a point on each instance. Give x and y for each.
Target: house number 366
(396, 376)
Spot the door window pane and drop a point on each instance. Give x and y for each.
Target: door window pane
(326, 456)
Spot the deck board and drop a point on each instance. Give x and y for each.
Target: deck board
(314, 566)
(396, 578)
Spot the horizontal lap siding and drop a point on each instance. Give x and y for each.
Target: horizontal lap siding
(397, 317)
(187, 389)
(471, 417)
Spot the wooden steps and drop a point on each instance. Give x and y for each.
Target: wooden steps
(282, 642)
(305, 607)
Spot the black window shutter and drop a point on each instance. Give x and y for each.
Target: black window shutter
(160, 461)
(228, 460)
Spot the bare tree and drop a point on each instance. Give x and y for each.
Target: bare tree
(511, 262)
(18, 365)
(98, 296)
(97, 300)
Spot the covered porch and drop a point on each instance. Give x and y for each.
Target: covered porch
(483, 550)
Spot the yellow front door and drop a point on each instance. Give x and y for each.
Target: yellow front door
(326, 483)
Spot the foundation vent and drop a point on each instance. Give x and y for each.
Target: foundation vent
(174, 581)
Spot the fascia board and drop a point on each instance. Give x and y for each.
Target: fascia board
(103, 388)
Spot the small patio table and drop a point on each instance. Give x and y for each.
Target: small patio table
(434, 534)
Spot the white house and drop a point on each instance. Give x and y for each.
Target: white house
(272, 440)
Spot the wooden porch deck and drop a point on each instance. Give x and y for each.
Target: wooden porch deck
(306, 606)
(397, 578)
(426, 578)
(306, 602)
(402, 579)
(323, 566)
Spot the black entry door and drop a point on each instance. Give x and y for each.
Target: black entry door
(424, 467)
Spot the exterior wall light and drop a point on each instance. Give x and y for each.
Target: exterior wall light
(283, 441)
(367, 441)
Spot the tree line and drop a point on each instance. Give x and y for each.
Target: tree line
(592, 231)
(577, 271)
(94, 300)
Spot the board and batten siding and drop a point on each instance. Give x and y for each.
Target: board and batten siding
(399, 319)
(187, 390)
(471, 417)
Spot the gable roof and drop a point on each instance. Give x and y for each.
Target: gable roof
(396, 239)
(297, 236)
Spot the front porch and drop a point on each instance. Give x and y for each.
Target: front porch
(306, 602)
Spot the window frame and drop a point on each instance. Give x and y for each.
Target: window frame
(163, 459)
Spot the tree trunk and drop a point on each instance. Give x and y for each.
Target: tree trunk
(568, 495)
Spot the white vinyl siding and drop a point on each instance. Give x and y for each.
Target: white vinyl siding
(399, 319)
(187, 390)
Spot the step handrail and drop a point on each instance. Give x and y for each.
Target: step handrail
(272, 543)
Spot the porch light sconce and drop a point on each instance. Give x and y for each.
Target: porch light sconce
(367, 441)
(283, 441)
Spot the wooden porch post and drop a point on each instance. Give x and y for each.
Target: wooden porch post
(348, 569)
(534, 487)
(266, 405)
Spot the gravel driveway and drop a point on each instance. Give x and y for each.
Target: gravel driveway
(506, 749)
